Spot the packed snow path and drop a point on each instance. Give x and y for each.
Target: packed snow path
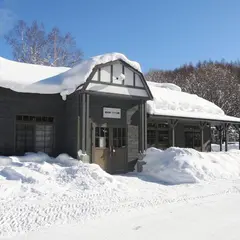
(211, 218)
(186, 211)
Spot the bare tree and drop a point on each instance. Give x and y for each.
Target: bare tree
(31, 44)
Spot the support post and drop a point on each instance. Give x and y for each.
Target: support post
(145, 126)
(83, 122)
(173, 124)
(237, 127)
(87, 146)
(202, 125)
(142, 127)
(239, 137)
(173, 136)
(226, 136)
(220, 138)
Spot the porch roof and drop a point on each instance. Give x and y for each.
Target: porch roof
(170, 102)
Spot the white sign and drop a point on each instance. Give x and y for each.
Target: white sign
(112, 113)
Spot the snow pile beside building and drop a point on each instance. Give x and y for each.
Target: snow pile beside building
(40, 169)
(38, 191)
(178, 165)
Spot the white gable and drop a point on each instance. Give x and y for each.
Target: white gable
(117, 78)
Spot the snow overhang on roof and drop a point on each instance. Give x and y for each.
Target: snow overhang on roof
(30, 78)
(16, 75)
(170, 101)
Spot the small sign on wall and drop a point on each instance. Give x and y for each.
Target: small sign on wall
(112, 113)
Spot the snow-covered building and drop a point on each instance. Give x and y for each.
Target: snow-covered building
(102, 106)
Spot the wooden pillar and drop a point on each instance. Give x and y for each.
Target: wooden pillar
(237, 127)
(239, 137)
(220, 138)
(173, 136)
(88, 144)
(226, 125)
(142, 126)
(173, 124)
(202, 126)
(83, 115)
(145, 126)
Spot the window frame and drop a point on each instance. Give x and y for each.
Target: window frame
(161, 129)
(35, 120)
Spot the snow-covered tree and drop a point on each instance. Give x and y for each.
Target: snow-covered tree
(32, 44)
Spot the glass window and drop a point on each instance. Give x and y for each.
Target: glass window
(151, 137)
(119, 137)
(101, 137)
(192, 136)
(32, 136)
(158, 135)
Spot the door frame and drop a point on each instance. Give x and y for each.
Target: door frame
(110, 145)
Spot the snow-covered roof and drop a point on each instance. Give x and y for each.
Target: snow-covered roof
(69, 81)
(49, 80)
(15, 74)
(169, 100)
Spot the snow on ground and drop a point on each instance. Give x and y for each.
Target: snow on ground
(179, 165)
(231, 146)
(208, 217)
(43, 197)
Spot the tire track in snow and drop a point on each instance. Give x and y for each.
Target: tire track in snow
(19, 215)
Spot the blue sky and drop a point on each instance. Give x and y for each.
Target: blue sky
(157, 33)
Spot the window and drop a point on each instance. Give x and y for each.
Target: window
(24, 138)
(119, 137)
(158, 135)
(44, 138)
(102, 137)
(151, 137)
(192, 136)
(34, 134)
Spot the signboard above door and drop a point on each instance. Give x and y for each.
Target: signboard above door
(112, 113)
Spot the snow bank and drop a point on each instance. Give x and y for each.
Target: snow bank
(38, 191)
(170, 101)
(39, 167)
(5, 161)
(177, 165)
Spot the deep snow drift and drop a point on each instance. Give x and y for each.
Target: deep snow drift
(179, 165)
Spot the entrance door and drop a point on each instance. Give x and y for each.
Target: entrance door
(109, 148)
